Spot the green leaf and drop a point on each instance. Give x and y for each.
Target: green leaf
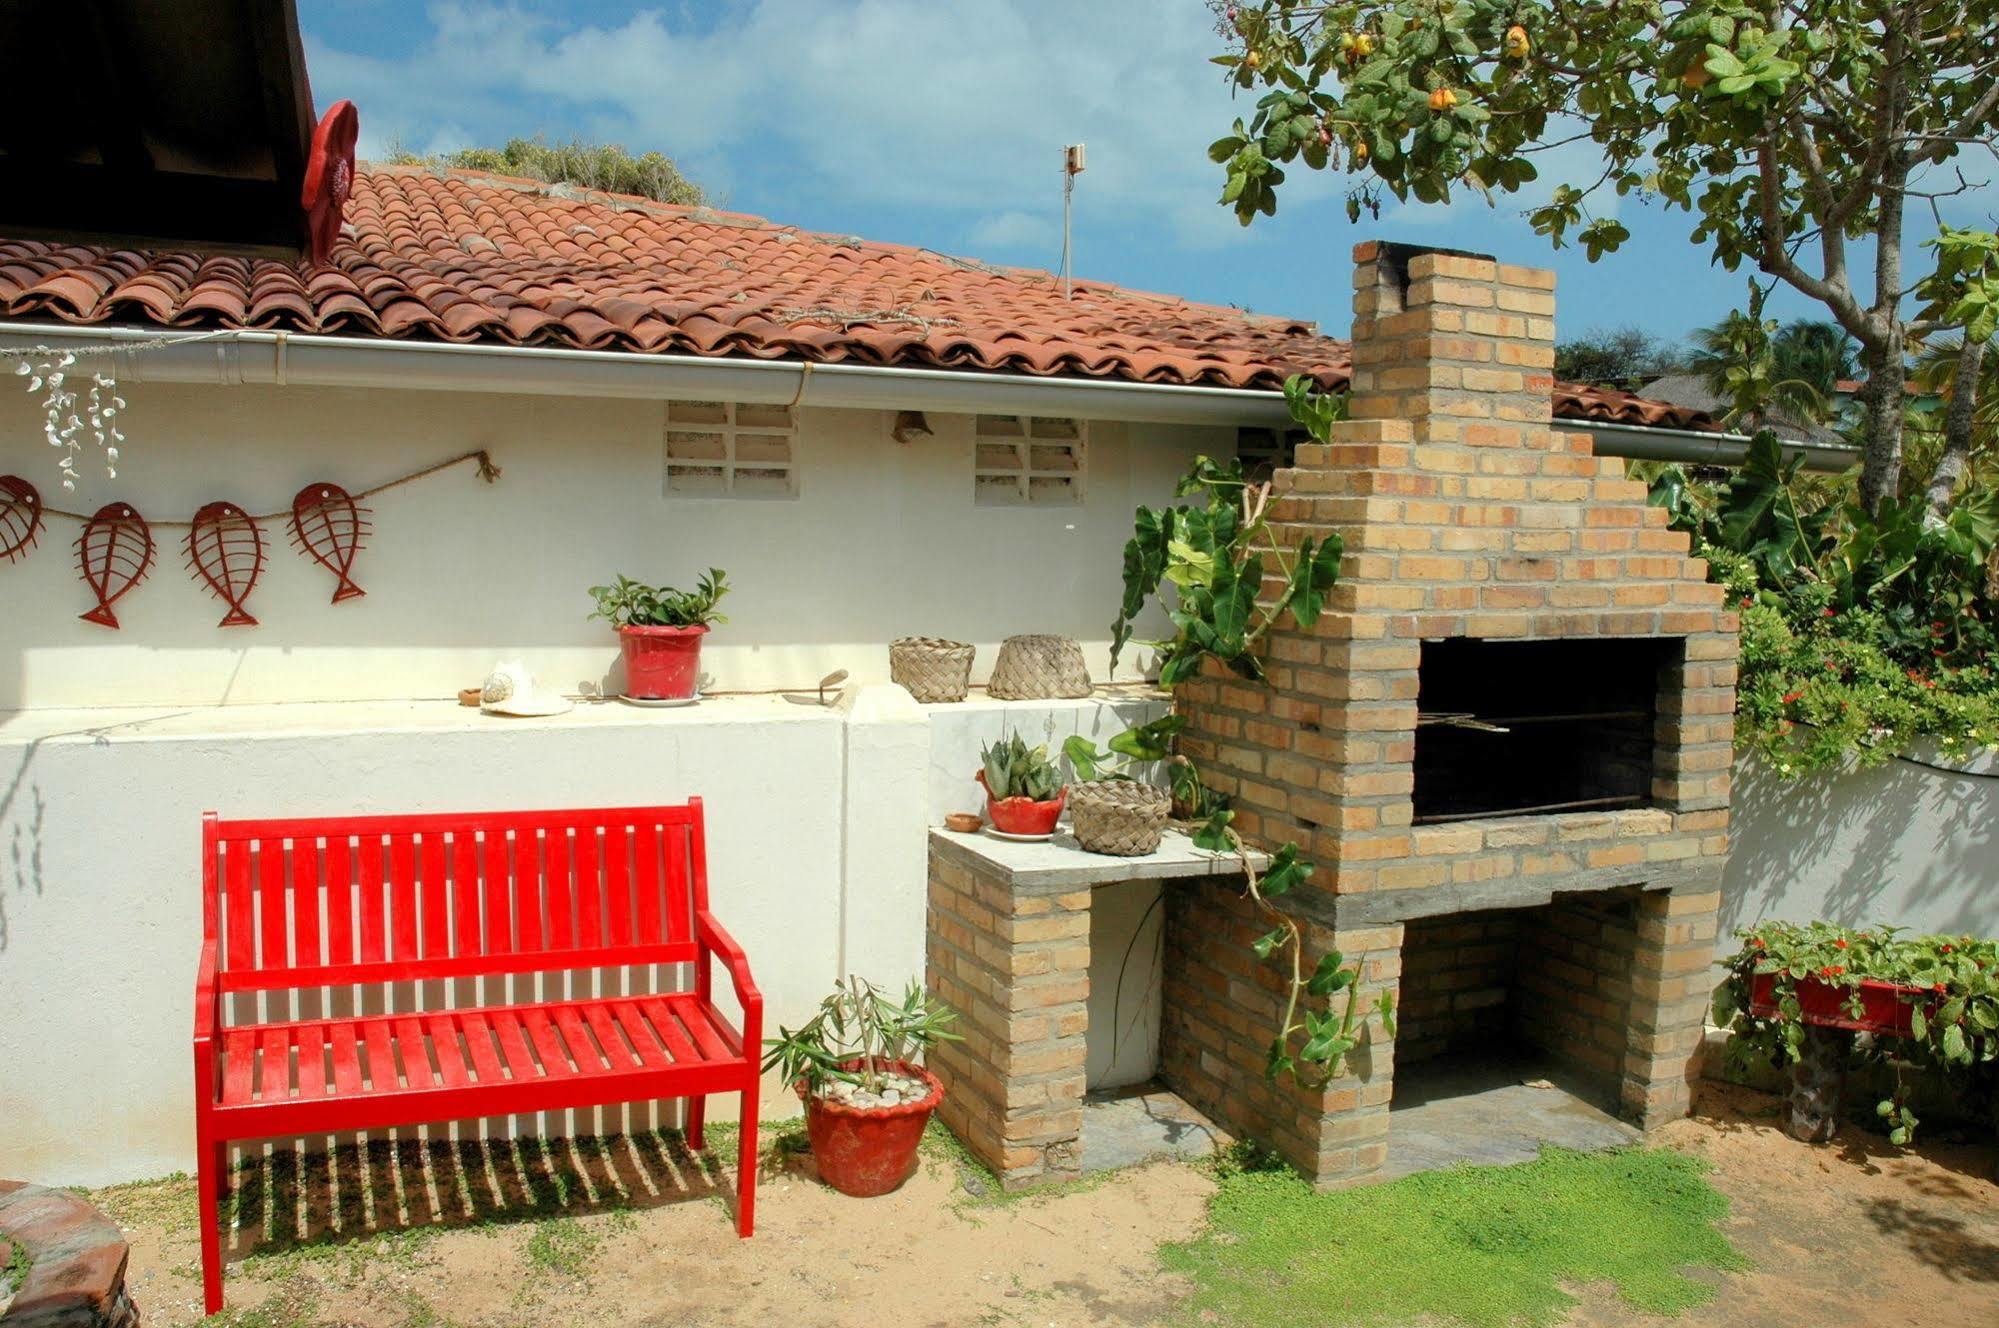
(1083, 756)
(1954, 1046)
(1331, 975)
(1269, 941)
(1214, 834)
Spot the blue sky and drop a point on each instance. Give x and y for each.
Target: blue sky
(942, 124)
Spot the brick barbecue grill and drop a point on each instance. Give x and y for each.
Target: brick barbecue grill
(1506, 744)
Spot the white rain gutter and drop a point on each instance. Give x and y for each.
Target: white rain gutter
(236, 357)
(304, 360)
(1641, 443)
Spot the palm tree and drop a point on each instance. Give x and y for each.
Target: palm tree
(1765, 371)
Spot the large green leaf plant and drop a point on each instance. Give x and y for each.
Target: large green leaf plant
(1220, 577)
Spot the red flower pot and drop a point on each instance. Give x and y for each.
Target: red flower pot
(661, 663)
(865, 1151)
(1885, 1006)
(1022, 816)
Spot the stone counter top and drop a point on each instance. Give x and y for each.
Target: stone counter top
(1061, 864)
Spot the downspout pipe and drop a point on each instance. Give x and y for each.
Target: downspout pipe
(233, 357)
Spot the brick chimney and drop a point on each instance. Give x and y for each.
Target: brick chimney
(1515, 719)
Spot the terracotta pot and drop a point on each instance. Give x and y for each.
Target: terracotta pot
(1022, 816)
(662, 663)
(1885, 1006)
(866, 1151)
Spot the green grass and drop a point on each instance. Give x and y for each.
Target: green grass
(1482, 1247)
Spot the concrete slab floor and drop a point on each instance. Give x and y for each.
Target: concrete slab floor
(1493, 1109)
(1126, 1126)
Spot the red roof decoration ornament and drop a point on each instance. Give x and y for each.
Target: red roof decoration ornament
(329, 178)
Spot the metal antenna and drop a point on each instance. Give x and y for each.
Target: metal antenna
(1072, 166)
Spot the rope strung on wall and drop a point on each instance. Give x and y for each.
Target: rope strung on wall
(224, 546)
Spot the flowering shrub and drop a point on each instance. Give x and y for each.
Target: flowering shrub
(1861, 632)
(1951, 986)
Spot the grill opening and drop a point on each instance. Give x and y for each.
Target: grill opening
(1511, 728)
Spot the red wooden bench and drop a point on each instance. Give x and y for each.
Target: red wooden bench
(394, 915)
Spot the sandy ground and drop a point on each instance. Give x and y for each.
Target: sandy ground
(1851, 1234)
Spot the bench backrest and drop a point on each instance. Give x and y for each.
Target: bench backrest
(360, 899)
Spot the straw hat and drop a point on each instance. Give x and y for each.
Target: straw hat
(511, 690)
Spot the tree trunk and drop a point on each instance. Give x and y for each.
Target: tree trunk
(1881, 464)
(1957, 427)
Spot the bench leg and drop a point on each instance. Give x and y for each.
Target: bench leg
(697, 1116)
(210, 1175)
(746, 1164)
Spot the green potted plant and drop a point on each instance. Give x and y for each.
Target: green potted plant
(1111, 811)
(866, 1100)
(1024, 791)
(659, 631)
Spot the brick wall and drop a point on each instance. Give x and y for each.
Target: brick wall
(1015, 965)
(1458, 975)
(1464, 514)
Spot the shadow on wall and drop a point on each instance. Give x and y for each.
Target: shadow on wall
(1904, 844)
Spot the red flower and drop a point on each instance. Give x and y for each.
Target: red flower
(1831, 971)
(1756, 941)
(1831, 613)
(1790, 697)
(1938, 989)
(1944, 948)
(1839, 944)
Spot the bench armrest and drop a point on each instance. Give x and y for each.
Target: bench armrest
(715, 940)
(205, 1024)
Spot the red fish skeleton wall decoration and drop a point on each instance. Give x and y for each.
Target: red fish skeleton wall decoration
(114, 553)
(328, 526)
(20, 517)
(225, 549)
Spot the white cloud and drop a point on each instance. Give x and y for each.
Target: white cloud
(877, 102)
(1015, 230)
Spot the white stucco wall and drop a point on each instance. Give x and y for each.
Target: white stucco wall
(817, 821)
(1903, 844)
(883, 540)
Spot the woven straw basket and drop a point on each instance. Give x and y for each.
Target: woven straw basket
(1118, 817)
(1037, 668)
(932, 669)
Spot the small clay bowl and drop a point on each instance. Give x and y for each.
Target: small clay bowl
(470, 696)
(965, 823)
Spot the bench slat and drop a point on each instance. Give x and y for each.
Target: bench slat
(610, 1039)
(458, 966)
(239, 943)
(339, 901)
(273, 935)
(444, 1041)
(507, 1028)
(554, 1056)
(499, 906)
(589, 889)
(368, 875)
(311, 1062)
(479, 1043)
(714, 1046)
(274, 1076)
(527, 892)
(660, 1015)
(305, 903)
(569, 1022)
(435, 902)
(409, 1049)
(561, 890)
(402, 898)
(346, 1061)
(679, 889)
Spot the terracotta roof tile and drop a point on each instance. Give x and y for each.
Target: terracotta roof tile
(464, 257)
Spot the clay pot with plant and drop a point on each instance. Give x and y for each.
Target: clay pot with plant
(1024, 791)
(660, 630)
(867, 1100)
